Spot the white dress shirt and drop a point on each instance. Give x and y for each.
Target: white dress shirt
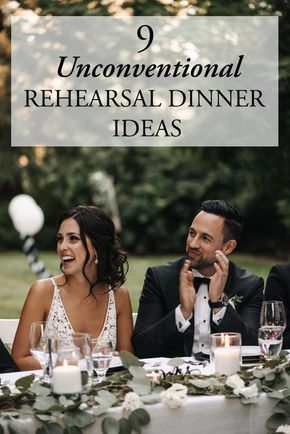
(202, 313)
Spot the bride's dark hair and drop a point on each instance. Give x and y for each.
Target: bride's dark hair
(95, 224)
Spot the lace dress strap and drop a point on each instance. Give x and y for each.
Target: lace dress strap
(57, 323)
(109, 330)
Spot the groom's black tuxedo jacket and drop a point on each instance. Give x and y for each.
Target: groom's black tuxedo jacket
(156, 333)
(278, 288)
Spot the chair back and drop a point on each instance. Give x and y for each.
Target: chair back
(8, 329)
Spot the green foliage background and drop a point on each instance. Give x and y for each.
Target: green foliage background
(158, 189)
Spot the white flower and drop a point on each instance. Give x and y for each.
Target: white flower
(250, 392)
(236, 383)
(131, 402)
(284, 429)
(83, 406)
(231, 302)
(235, 299)
(175, 396)
(238, 386)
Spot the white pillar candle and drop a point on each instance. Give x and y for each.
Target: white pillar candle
(227, 360)
(66, 379)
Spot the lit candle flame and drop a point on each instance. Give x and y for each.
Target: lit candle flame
(227, 341)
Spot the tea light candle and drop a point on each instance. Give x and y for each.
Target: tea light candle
(66, 379)
(227, 358)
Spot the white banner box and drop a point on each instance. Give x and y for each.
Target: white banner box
(144, 81)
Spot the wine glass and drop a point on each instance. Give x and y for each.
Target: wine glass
(38, 346)
(101, 355)
(270, 341)
(273, 314)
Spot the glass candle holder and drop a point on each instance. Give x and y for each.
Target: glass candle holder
(74, 363)
(226, 352)
(66, 374)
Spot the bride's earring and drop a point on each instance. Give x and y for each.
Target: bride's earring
(96, 260)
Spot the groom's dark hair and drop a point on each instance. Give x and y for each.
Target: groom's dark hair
(233, 222)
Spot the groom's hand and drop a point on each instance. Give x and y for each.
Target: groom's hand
(219, 279)
(187, 294)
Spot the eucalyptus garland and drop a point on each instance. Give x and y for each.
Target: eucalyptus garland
(59, 414)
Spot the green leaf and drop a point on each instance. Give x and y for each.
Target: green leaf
(258, 373)
(139, 387)
(110, 426)
(201, 384)
(78, 418)
(284, 405)
(106, 397)
(249, 400)
(124, 426)
(175, 362)
(134, 422)
(138, 372)
(44, 403)
(270, 376)
(16, 427)
(64, 401)
(12, 429)
(72, 430)
(128, 359)
(276, 394)
(25, 382)
(276, 420)
(140, 383)
(39, 389)
(43, 417)
(152, 398)
(100, 409)
(142, 416)
(50, 428)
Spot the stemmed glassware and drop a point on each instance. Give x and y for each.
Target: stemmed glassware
(273, 323)
(101, 355)
(38, 346)
(273, 314)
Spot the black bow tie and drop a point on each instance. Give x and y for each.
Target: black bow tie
(197, 281)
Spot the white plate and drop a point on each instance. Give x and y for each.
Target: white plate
(251, 350)
(115, 362)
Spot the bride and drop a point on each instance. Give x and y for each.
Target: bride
(89, 295)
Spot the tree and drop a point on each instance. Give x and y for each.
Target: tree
(158, 189)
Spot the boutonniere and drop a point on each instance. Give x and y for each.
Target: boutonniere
(235, 299)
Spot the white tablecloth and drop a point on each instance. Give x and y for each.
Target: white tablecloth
(202, 414)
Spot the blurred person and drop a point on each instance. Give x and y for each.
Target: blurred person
(278, 288)
(89, 295)
(185, 300)
(7, 364)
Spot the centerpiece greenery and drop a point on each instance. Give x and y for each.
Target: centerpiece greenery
(131, 390)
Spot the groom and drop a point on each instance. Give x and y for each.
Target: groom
(186, 300)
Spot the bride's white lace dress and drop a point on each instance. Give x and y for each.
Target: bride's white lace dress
(58, 323)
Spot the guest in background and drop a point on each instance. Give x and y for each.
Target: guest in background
(278, 288)
(89, 295)
(7, 364)
(177, 313)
